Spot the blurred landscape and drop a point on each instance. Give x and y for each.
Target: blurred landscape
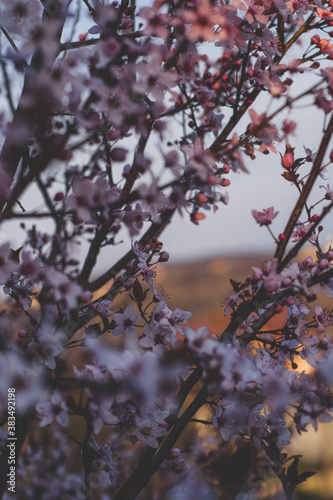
(201, 287)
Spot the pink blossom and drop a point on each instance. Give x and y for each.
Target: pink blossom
(103, 308)
(301, 230)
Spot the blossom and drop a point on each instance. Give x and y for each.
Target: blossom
(16, 373)
(134, 218)
(202, 20)
(301, 230)
(45, 349)
(125, 321)
(265, 217)
(323, 318)
(156, 338)
(151, 426)
(257, 425)
(261, 128)
(329, 192)
(104, 460)
(230, 302)
(19, 16)
(230, 419)
(7, 265)
(103, 308)
(156, 22)
(278, 425)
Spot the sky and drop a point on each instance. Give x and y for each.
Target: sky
(232, 230)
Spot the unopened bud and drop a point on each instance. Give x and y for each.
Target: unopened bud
(287, 160)
(164, 257)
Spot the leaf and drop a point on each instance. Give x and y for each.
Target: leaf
(235, 285)
(292, 473)
(94, 30)
(138, 292)
(15, 254)
(105, 323)
(288, 176)
(304, 476)
(93, 331)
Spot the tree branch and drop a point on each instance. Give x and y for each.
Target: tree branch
(306, 190)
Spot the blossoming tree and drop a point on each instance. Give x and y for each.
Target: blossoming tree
(82, 112)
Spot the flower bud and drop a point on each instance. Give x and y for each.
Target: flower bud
(314, 218)
(315, 39)
(164, 257)
(22, 334)
(175, 453)
(59, 196)
(287, 160)
(286, 282)
(323, 264)
(329, 255)
(289, 301)
(225, 182)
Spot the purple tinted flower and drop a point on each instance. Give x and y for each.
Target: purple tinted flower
(265, 217)
(125, 321)
(103, 308)
(6, 264)
(52, 407)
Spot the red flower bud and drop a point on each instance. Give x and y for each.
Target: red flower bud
(225, 182)
(289, 301)
(164, 257)
(314, 218)
(201, 199)
(59, 196)
(287, 160)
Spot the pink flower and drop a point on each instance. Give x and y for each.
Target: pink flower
(265, 217)
(203, 21)
(103, 308)
(301, 230)
(323, 318)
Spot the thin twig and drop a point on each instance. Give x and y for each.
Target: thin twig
(10, 40)
(294, 251)
(7, 86)
(306, 190)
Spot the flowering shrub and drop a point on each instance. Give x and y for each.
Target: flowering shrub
(114, 130)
